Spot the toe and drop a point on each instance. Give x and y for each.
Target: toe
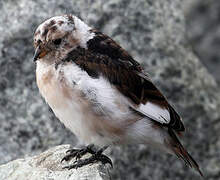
(105, 159)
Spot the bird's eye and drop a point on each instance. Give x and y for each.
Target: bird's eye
(57, 41)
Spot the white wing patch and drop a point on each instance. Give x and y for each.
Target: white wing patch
(106, 96)
(99, 91)
(155, 112)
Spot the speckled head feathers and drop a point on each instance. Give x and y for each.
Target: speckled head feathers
(59, 34)
(54, 28)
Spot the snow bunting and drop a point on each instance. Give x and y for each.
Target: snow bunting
(101, 93)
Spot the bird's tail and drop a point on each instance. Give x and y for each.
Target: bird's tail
(182, 153)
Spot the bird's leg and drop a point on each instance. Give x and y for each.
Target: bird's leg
(95, 157)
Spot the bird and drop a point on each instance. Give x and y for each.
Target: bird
(101, 93)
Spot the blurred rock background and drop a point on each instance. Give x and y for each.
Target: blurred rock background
(157, 35)
(203, 30)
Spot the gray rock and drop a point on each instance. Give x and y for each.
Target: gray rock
(153, 31)
(47, 166)
(203, 29)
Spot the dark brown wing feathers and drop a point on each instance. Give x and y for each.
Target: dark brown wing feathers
(181, 152)
(103, 44)
(105, 57)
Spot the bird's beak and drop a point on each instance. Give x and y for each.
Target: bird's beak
(39, 53)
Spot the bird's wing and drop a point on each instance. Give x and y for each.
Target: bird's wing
(105, 57)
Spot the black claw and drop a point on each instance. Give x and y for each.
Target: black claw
(78, 153)
(72, 154)
(94, 158)
(72, 150)
(105, 160)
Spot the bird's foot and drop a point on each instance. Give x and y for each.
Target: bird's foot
(95, 157)
(78, 153)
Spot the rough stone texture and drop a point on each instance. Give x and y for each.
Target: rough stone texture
(47, 166)
(203, 29)
(153, 31)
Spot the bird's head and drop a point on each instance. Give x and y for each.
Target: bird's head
(55, 37)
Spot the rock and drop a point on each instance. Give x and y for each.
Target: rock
(203, 29)
(47, 166)
(153, 31)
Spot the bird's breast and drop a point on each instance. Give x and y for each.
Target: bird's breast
(52, 87)
(63, 98)
(90, 108)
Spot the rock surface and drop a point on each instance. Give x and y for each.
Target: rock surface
(153, 31)
(203, 29)
(47, 166)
